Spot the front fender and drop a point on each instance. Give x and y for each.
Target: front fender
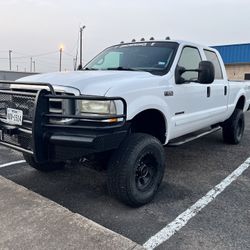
(147, 102)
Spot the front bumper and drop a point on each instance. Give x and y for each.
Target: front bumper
(63, 146)
(47, 141)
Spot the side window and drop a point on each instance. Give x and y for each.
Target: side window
(212, 57)
(190, 59)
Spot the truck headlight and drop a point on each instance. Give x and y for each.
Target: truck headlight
(97, 107)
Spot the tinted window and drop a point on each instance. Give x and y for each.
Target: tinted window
(190, 59)
(212, 57)
(154, 57)
(111, 60)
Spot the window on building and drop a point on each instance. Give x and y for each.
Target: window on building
(190, 59)
(212, 57)
(247, 76)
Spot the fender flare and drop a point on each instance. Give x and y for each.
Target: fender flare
(142, 104)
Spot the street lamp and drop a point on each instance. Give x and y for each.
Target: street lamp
(81, 30)
(34, 66)
(60, 60)
(10, 51)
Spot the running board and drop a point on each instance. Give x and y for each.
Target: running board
(192, 138)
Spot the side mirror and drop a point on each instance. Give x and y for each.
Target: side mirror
(178, 75)
(206, 72)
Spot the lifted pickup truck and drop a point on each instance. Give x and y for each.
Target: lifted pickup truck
(126, 103)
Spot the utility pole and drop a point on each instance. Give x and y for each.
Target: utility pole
(60, 60)
(10, 51)
(74, 63)
(34, 66)
(17, 68)
(31, 60)
(81, 30)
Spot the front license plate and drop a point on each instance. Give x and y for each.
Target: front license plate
(14, 116)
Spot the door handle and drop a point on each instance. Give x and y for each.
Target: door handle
(225, 90)
(208, 91)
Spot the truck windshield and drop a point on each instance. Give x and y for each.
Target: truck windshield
(153, 57)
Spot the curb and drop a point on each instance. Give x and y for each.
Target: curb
(31, 221)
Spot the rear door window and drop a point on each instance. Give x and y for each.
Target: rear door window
(212, 57)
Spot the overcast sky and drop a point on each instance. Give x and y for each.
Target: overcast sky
(35, 27)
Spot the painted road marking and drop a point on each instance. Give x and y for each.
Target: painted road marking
(183, 218)
(11, 163)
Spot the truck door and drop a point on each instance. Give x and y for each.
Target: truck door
(218, 90)
(191, 101)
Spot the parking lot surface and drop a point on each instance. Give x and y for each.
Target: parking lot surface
(191, 171)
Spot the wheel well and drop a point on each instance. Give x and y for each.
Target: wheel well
(152, 122)
(241, 103)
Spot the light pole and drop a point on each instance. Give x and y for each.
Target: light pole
(81, 30)
(31, 60)
(34, 66)
(74, 63)
(10, 51)
(60, 60)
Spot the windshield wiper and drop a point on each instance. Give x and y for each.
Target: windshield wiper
(90, 69)
(121, 68)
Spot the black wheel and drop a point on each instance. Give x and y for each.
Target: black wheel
(44, 167)
(136, 169)
(233, 128)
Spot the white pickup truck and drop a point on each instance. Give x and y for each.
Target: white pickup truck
(124, 105)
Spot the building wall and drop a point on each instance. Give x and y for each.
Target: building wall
(237, 71)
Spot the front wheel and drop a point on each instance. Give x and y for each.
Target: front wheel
(233, 128)
(136, 169)
(43, 167)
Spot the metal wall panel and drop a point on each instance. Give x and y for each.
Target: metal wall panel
(236, 53)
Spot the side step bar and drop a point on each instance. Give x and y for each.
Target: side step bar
(177, 143)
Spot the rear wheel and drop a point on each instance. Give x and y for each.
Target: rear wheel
(44, 167)
(136, 169)
(233, 128)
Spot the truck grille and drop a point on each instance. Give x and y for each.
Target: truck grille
(26, 104)
(56, 106)
(25, 100)
(15, 101)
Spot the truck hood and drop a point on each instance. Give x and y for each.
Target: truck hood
(90, 82)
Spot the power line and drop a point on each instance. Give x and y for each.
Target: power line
(68, 54)
(28, 56)
(76, 44)
(49, 59)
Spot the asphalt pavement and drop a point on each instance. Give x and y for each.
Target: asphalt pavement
(191, 171)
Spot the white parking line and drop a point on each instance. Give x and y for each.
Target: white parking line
(183, 218)
(11, 163)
